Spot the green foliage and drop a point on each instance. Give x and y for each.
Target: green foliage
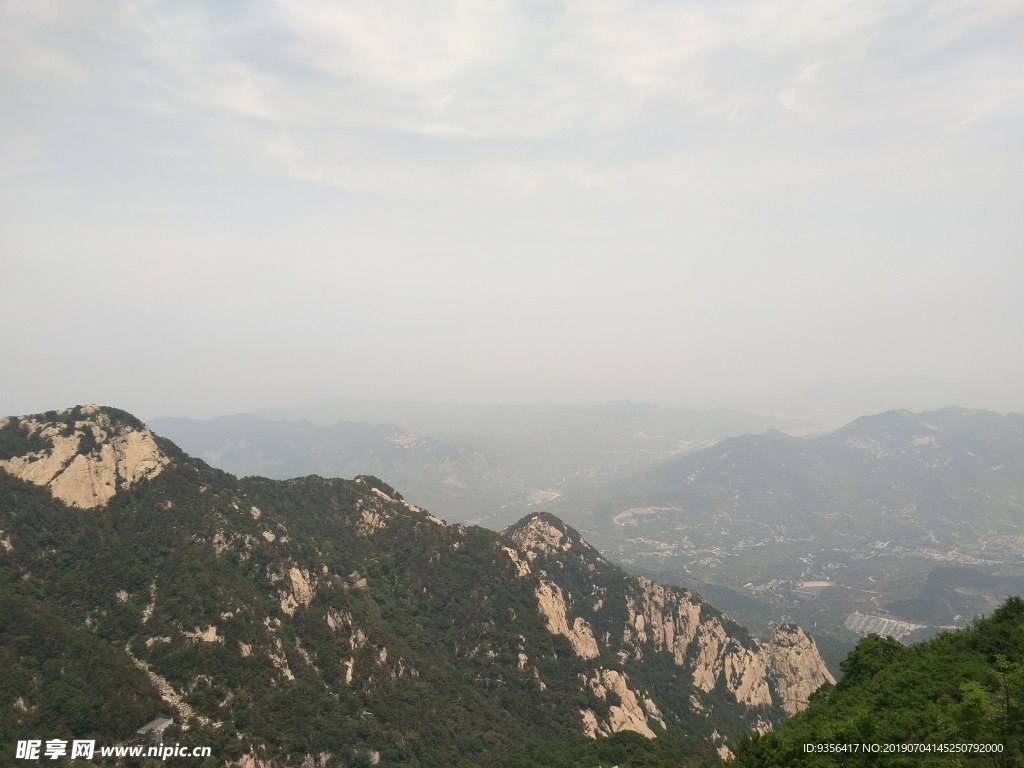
(960, 687)
(15, 440)
(871, 656)
(410, 647)
(626, 750)
(61, 680)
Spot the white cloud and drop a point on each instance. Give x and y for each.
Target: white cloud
(667, 163)
(505, 70)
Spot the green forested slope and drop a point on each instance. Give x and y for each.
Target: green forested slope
(330, 620)
(960, 688)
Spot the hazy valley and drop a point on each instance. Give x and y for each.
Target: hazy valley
(900, 523)
(483, 464)
(512, 385)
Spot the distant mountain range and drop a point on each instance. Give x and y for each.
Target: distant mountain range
(868, 511)
(867, 396)
(487, 464)
(947, 478)
(871, 508)
(457, 477)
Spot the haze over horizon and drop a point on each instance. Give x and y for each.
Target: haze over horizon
(214, 209)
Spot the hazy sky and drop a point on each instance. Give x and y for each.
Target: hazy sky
(213, 207)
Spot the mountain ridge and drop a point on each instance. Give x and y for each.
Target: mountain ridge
(478, 463)
(861, 514)
(272, 615)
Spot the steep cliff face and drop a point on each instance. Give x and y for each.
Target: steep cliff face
(552, 606)
(270, 616)
(661, 617)
(799, 670)
(623, 627)
(85, 454)
(784, 671)
(628, 714)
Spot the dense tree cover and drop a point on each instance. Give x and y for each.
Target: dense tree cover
(626, 750)
(422, 665)
(964, 687)
(15, 440)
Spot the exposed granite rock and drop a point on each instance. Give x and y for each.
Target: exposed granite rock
(540, 536)
(763, 679)
(746, 677)
(792, 656)
(627, 715)
(522, 567)
(666, 618)
(208, 635)
(552, 605)
(708, 665)
(89, 457)
(168, 694)
(301, 591)
(277, 656)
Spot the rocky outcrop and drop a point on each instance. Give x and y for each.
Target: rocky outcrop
(708, 664)
(370, 521)
(591, 727)
(663, 617)
(540, 536)
(147, 612)
(250, 760)
(301, 592)
(522, 567)
(670, 620)
(339, 621)
(321, 760)
(208, 635)
(88, 457)
(168, 694)
(627, 715)
(552, 604)
(741, 669)
(715, 654)
(301, 587)
(746, 677)
(793, 658)
(279, 660)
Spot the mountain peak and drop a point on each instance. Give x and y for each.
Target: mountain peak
(577, 645)
(83, 454)
(545, 534)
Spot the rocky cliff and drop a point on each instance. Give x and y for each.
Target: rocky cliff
(659, 623)
(84, 454)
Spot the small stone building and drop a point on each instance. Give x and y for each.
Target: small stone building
(152, 733)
